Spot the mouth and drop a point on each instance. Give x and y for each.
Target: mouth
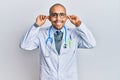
(58, 22)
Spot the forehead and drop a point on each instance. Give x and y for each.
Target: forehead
(58, 9)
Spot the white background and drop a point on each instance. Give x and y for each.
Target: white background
(101, 16)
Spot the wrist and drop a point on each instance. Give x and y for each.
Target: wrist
(36, 25)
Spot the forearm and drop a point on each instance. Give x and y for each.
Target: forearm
(88, 40)
(30, 41)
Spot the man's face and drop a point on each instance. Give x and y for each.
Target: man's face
(58, 17)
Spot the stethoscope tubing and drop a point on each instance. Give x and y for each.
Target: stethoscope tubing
(51, 40)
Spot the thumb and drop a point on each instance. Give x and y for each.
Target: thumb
(69, 18)
(48, 17)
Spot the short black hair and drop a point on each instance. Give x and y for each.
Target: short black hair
(57, 4)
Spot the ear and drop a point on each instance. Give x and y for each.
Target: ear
(66, 18)
(49, 18)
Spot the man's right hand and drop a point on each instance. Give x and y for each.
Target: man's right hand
(40, 20)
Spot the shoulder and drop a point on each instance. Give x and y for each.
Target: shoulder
(43, 30)
(70, 29)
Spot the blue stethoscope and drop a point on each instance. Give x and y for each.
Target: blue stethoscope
(51, 40)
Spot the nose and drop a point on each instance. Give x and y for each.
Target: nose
(58, 17)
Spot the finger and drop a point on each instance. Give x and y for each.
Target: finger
(40, 17)
(69, 17)
(73, 16)
(43, 17)
(46, 17)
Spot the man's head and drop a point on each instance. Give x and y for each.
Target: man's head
(58, 16)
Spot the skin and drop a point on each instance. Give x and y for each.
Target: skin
(57, 21)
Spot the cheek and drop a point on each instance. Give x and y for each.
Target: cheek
(52, 19)
(64, 20)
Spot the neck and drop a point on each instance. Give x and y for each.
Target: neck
(58, 28)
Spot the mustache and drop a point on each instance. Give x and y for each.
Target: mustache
(58, 21)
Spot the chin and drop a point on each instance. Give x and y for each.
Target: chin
(58, 27)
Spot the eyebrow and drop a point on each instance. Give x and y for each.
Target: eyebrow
(58, 13)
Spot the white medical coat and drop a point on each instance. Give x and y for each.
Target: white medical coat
(52, 65)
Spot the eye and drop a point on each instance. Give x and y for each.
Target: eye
(62, 14)
(54, 14)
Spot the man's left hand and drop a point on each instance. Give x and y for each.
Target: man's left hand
(74, 20)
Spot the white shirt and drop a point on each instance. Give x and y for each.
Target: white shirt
(52, 65)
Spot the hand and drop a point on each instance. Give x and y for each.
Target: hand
(40, 20)
(75, 20)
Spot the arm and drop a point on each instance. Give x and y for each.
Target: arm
(30, 40)
(85, 38)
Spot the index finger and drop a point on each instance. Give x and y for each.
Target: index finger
(47, 17)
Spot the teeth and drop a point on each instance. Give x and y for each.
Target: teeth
(58, 23)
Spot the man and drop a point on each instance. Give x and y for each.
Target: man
(58, 44)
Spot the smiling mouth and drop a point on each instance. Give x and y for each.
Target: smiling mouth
(58, 23)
